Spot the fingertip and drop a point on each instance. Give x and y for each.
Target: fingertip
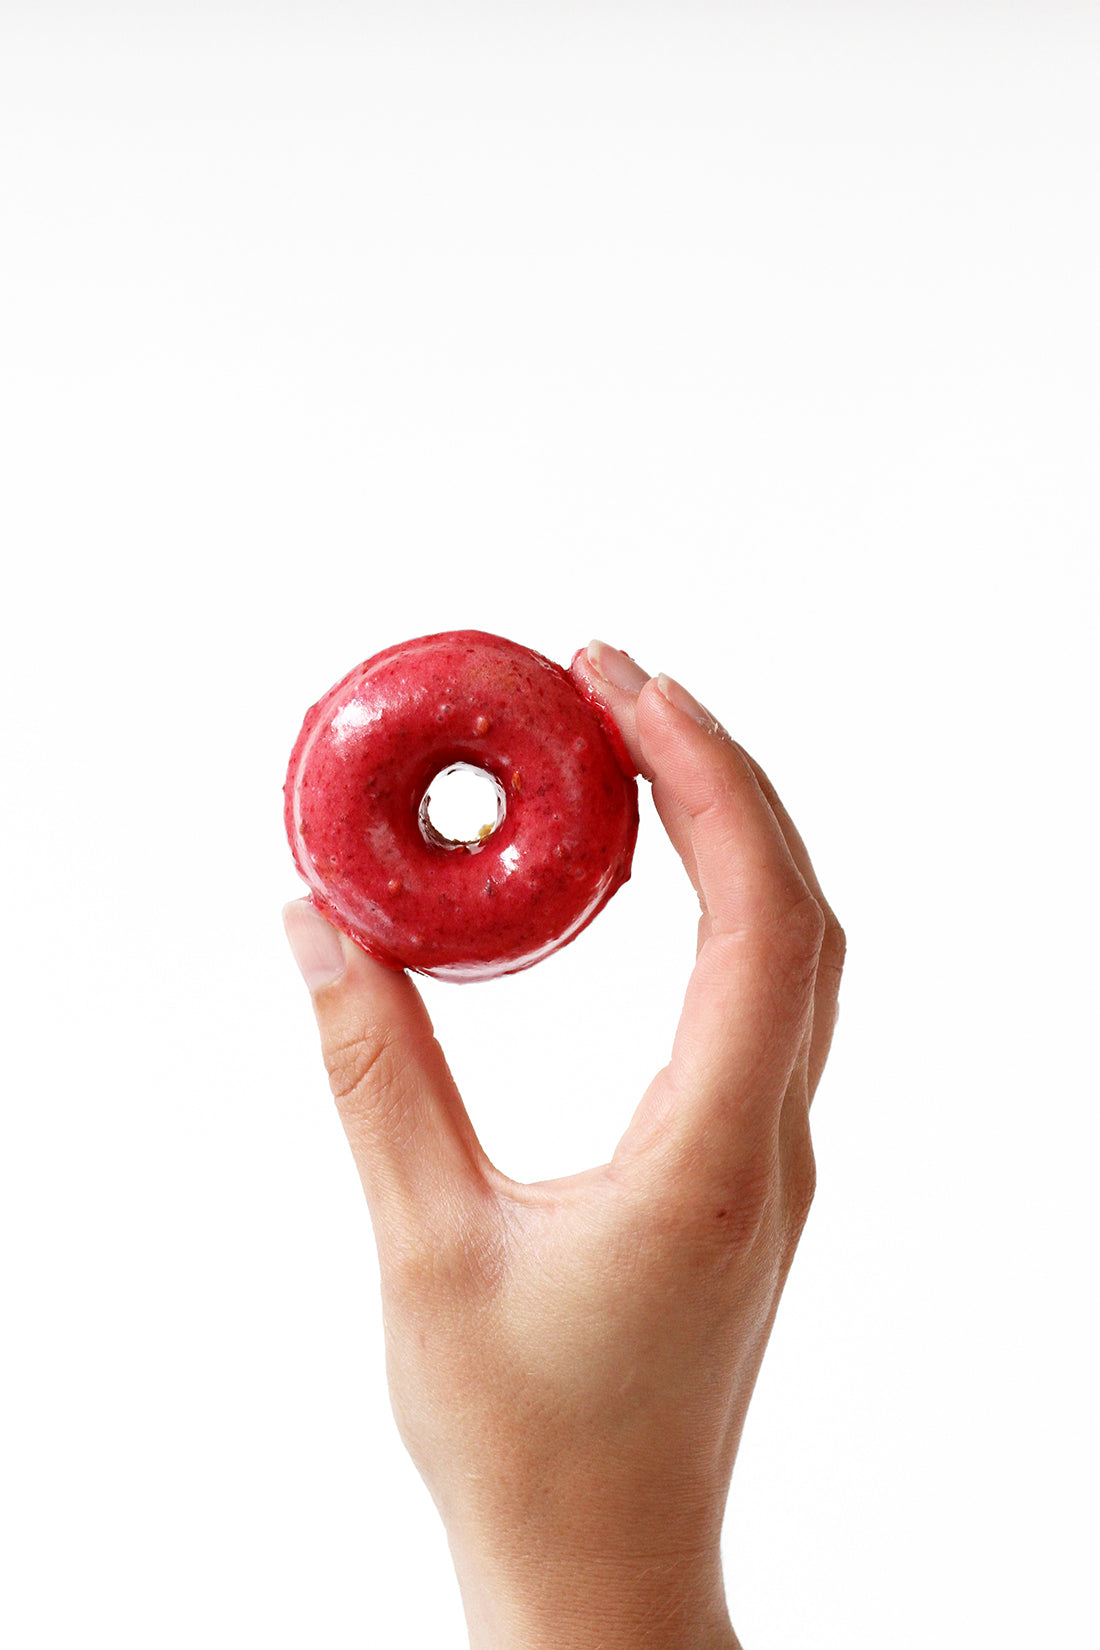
(686, 703)
(327, 957)
(611, 681)
(669, 703)
(664, 733)
(679, 736)
(316, 946)
(613, 666)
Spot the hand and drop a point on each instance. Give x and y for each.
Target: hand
(570, 1363)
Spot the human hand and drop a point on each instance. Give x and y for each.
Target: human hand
(570, 1363)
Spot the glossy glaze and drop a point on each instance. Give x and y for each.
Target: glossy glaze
(365, 759)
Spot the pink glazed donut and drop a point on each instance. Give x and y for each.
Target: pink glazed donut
(357, 793)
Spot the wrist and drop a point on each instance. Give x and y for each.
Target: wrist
(532, 1600)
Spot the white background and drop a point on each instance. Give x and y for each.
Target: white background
(761, 340)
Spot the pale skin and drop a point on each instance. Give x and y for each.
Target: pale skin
(570, 1363)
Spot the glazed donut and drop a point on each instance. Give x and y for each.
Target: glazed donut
(357, 792)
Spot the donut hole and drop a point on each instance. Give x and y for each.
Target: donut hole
(462, 807)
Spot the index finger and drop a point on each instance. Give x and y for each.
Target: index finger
(830, 964)
(749, 1003)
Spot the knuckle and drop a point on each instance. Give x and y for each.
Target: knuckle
(365, 1071)
(801, 1188)
(422, 1265)
(788, 943)
(350, 1061)
(407, 1255)
(834, 946)
(799, 933)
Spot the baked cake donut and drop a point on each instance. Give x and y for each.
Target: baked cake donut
(358, 788)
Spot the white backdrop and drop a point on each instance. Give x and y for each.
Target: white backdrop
(759, 339)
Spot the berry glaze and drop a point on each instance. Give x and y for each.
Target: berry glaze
(356, 795)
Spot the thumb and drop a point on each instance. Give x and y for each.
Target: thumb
(412, 1140)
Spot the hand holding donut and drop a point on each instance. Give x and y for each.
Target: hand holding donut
(570, 1363)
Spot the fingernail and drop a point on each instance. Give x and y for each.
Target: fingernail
(682, 700)
(617, 668)
(314, 943)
